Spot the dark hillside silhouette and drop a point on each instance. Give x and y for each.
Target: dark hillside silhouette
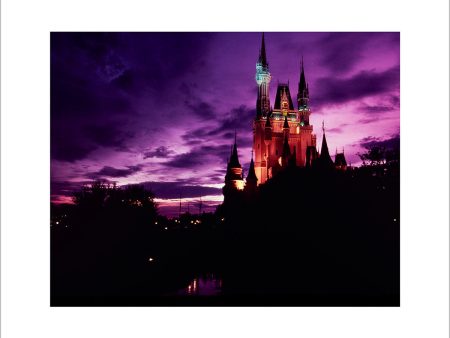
(337, 245)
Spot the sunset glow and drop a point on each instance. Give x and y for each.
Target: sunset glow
(161, 108)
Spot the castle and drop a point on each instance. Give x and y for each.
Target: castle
(282, 134)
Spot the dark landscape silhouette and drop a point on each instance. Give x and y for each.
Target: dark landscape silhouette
(338, 245)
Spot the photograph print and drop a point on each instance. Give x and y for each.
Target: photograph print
(225, 169)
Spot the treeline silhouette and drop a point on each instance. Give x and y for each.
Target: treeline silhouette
(112, 248)
(306, 237)
(317, 238)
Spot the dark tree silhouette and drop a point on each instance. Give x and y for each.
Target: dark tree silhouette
(305, 237)
(374, 156)
(103, 241)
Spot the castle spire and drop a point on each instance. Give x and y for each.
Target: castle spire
(234, 159)
(234, 178)
(303, 95)
(262, 53)
(324, 153)
(262, 78)
(251, 177)
(302, 81)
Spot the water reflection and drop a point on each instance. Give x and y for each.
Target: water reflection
(205, 285)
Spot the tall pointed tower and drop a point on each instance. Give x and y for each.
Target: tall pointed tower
(234, 180)
(325, 160)
(303, 98)
(263, 80)
(283, 128)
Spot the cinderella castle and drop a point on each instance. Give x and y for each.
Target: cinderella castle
(282, 135)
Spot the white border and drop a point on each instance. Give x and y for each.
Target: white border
(25, 168)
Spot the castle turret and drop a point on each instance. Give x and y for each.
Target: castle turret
(340, 162)
(234, 179)
(262, 79)
(325, 158)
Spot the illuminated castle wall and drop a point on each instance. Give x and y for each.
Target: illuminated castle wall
(282, 136)
(272, 126)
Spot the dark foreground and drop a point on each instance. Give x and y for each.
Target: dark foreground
(337, 245)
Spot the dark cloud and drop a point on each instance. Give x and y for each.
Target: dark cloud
(377, 109)
(192, 142)
(187, 160)
(65, 188)
(160, 152)
(239, 119)
(200, 156)
(334, 90)
(112, 172)
(195, 104)
(343, 51)
(109, 135)
(98, 80)
(374, 113)
(86, 111)
(201, 109)
(390, 143)
(68, 147)
(336, 130)
(70, 143)
(395, 100)
(174, 189)
(368, 120)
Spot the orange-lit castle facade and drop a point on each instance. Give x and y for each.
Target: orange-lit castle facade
(282, 134)
(285, 121)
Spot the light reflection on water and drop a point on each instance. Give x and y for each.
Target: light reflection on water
(205, 285)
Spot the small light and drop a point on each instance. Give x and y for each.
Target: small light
(395, 219)
(57, 222)
(156, 222)
(165, 228)
(151, 259)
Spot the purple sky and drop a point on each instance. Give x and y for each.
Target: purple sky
(161, 108)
